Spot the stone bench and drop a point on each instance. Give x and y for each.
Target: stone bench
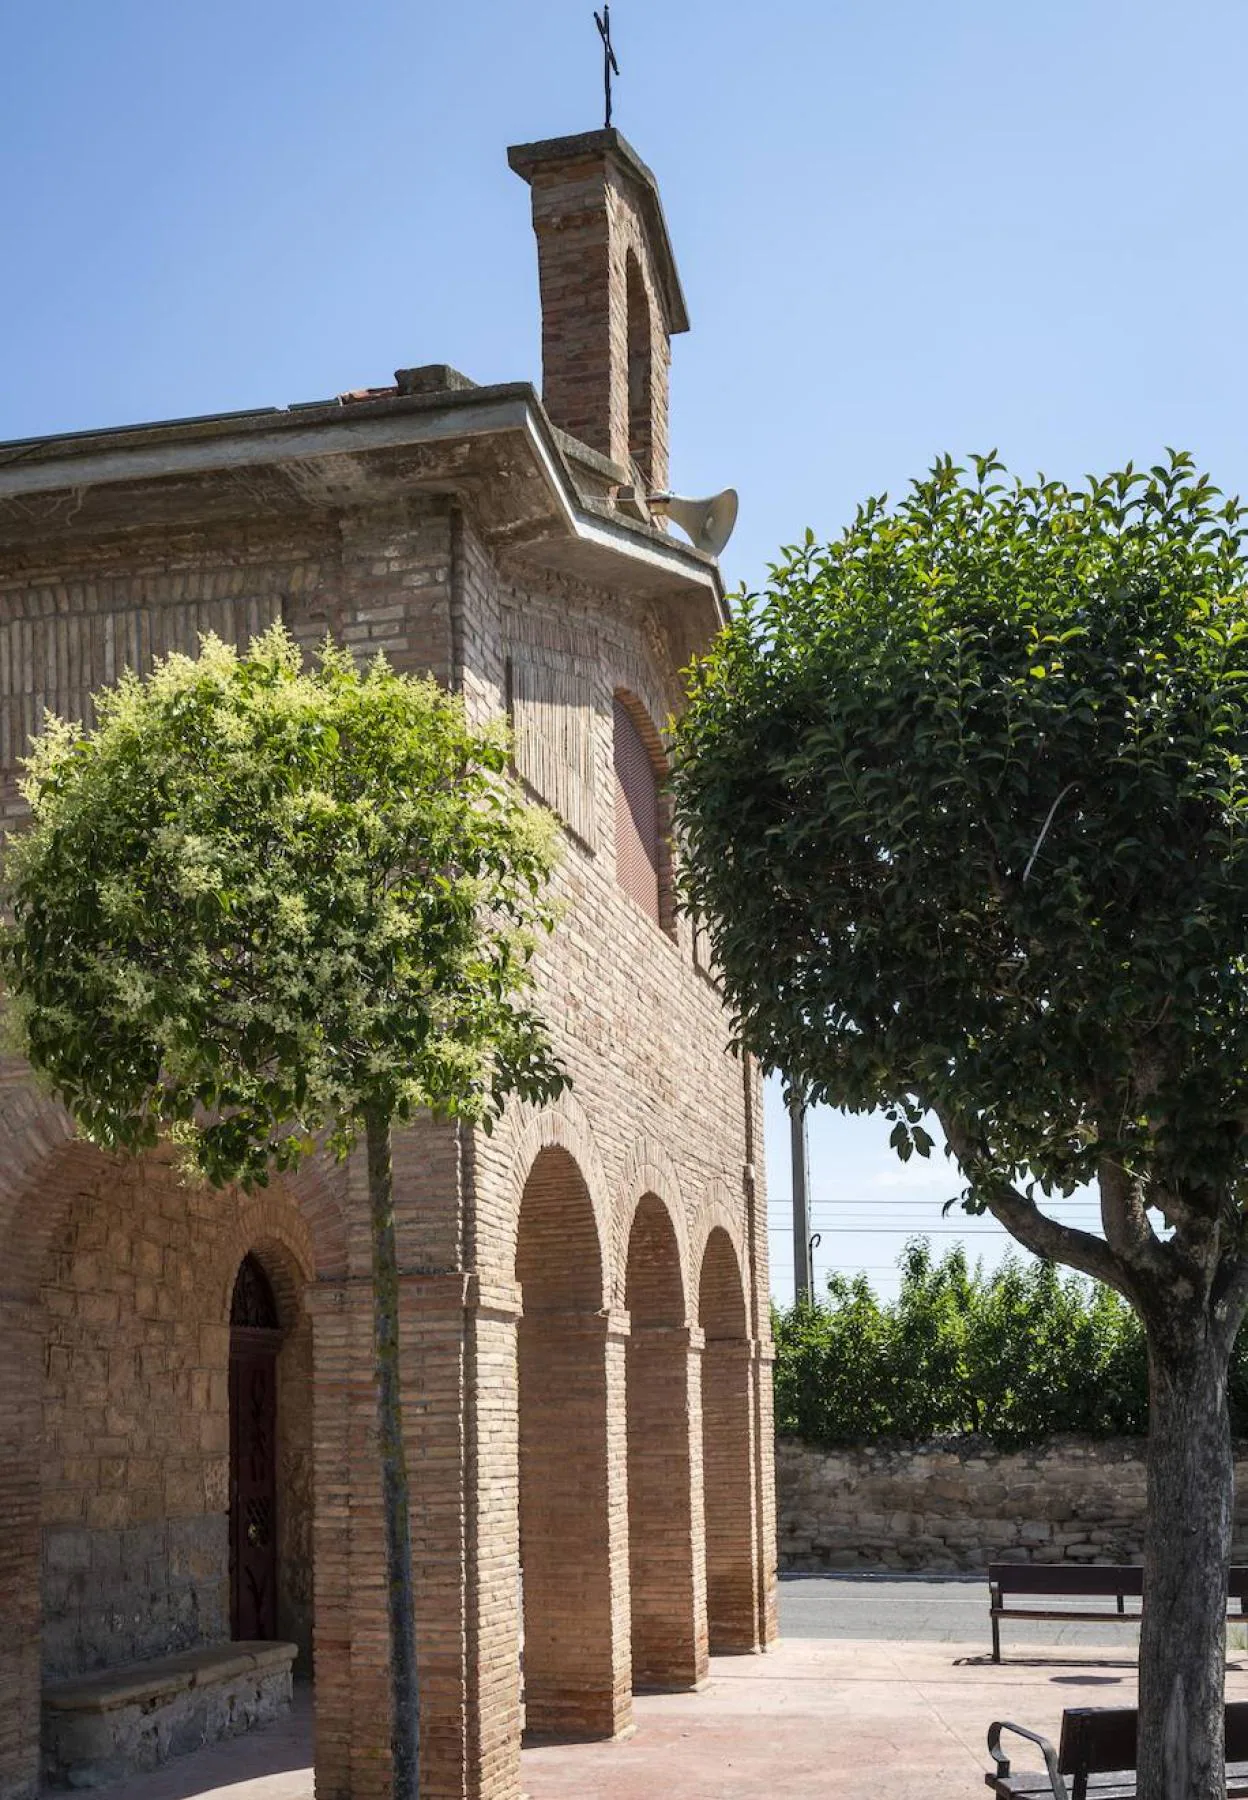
(97, 1728)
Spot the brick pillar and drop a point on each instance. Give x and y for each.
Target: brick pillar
(666, 1561)
(728, 1403)
(493, 1548)
(574, 1525)
(21, 1418)
(351, 1633)
(340, 1327)
(765, 1493)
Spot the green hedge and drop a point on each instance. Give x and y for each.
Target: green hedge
(1013, 1356)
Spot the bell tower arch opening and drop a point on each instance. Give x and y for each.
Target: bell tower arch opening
(640, 371)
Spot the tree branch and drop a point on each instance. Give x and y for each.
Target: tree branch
(1230, 1291)
(1035, 1230)
(1125, 1220)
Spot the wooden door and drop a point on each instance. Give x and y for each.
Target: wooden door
(253, 1460)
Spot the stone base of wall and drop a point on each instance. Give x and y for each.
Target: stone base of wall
(960, 1505)
(109, 1726)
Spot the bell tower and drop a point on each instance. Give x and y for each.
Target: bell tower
(611, 297)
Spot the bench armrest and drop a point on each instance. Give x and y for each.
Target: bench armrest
(1002, 1761)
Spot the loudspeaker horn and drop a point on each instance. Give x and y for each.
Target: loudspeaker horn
(707, 523)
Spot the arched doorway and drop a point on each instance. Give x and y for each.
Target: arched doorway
(572, 1516)
(666, 1583)
(255, 1340)
(727, 1451)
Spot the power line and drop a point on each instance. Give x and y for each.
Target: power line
(902, 1231)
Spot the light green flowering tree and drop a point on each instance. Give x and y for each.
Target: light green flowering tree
(259, 907)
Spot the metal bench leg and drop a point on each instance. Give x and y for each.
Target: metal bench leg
(996, 1638)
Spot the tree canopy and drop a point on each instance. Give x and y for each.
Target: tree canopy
(258, 901)
(965, 795)
(965, 801)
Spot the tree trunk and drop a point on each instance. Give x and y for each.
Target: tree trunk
(1183, 1636)
(400, 1592)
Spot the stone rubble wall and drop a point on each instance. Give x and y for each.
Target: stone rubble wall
(961, 1504)
(197, 1704)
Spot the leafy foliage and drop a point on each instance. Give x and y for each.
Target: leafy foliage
(257, 903)
(965, 801)
(965, 797)
(1015, 1356)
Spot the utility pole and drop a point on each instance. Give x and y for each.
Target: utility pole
(803, 1271)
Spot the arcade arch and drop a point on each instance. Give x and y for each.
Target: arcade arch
(667, 1594)
(573, 1528)
(727, 1450)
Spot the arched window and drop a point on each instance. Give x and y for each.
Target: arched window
(640, 371)
(638, 832)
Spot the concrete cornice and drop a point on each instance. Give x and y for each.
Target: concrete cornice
(492, 444)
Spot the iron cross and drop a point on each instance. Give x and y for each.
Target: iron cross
(609, 65)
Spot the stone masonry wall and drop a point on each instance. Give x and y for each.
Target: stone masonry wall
(136, 1423)
(945, 1506)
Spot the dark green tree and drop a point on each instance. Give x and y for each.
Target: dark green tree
(258, 905)
(965, 801)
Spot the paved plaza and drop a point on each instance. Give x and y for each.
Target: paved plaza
(879, 1685)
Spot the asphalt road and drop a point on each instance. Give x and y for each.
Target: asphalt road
(950, 1609)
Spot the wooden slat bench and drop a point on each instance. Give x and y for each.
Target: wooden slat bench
(1076, 1581)
(97, 1728)
(1097, 1750)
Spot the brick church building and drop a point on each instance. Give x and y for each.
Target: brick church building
(189, 1491)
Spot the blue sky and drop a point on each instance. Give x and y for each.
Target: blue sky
(901, 229)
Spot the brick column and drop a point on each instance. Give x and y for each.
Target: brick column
(666, 1558)
(729, 1388)
(341, 1328)
(765, 1493)
(493, 1547)
(574, 1524)
(351, 1634)
(21, 1417)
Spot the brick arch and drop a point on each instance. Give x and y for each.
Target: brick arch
(649, 1171)
(722, 1309)
(42, 1166)
(728, 1448)
(563, 1470)
(639, 332)
(643, 809)
(639, 681)
(559, 1250)
(640, 713)
(646, 329)
(564, 1126)
(714, 1213)
(44, 1163)
(668, 1632)
(654, 1291)
(269, 1225)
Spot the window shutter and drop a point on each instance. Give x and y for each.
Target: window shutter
(636, 815)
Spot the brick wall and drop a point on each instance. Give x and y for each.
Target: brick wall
(661, 1134)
